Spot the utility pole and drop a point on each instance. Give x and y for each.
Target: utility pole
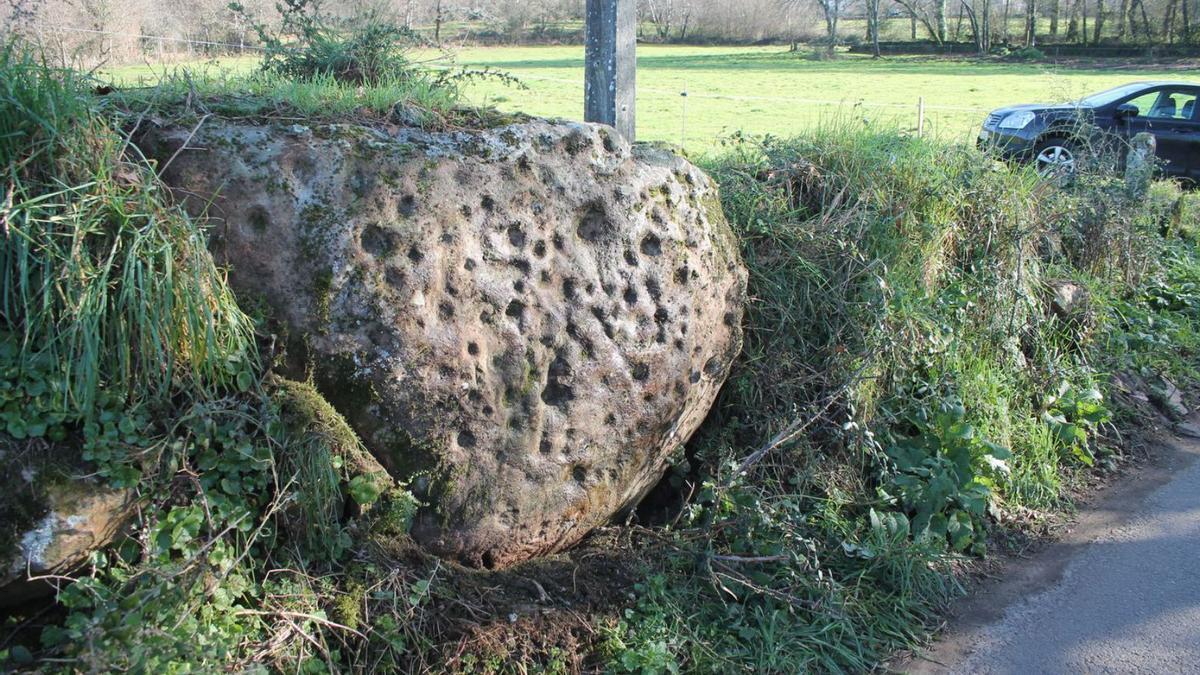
(610, 74)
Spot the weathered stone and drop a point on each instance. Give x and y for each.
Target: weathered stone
(52, 520)
(1188, 429)
(1140, 165)
(1170, 399)
(525, 321)
(1068, 299)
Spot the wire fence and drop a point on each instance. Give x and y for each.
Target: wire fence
(142, 37)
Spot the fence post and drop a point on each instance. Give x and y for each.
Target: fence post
(1139, 165)
(920, 116)
(610, 72)
(683, 122)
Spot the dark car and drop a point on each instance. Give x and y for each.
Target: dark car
(1053, 136)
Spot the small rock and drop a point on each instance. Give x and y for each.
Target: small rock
(81, 517)
(1188, 429)
(407, 115)
(1068, 299)
(1171, 399)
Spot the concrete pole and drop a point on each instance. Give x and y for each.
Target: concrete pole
(610, 75)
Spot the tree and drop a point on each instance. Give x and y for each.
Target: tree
(661, 14)
(931, 15)
(872, 7)
(1030, 23)
(979, 17)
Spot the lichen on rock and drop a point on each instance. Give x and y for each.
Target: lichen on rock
(524, 321)
(52, 516)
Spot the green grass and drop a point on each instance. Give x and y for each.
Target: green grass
(96, 273)
(767, 90)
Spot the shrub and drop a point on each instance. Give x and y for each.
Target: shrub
(1025, 54)
(307, 46)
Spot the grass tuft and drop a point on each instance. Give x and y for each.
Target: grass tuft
(96, 273)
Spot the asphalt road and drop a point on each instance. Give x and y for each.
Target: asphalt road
(1121, 596)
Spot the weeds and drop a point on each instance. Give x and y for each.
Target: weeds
(899, 318)
(123, 350)
(308, 46)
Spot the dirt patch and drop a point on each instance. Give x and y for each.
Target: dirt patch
(551, 611)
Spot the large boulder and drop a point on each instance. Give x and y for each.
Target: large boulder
(524, 321)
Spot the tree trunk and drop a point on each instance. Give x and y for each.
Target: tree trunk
(1099, 22)
(1169, 22)
(1030, 23)
(1073, 22)
(873, 26)
(940, 9)
(1187, 24)
(1054, 8)
(987, 26)
(976, 31)
(437, 22)
(1007, 8)
(831, 11)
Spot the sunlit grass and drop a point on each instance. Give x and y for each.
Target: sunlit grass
(761, 90)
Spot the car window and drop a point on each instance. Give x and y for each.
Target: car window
(1111, 95)
(1168, 104)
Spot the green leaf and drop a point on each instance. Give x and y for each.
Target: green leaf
(961, 431)
(245, 380)
(20, 654)
(997, 451)
(365, 490)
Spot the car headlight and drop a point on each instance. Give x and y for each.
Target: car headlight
(1017, 120)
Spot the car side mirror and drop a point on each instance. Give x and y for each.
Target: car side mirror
(1127, 110)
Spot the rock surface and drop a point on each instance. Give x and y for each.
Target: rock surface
(526, 320)
(1068, 300)
(52, 520)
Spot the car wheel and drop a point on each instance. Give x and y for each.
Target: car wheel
(1056, 157)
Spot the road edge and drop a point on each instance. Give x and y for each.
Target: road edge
(1016, 577)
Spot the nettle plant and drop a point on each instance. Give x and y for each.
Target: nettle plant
(942, 475)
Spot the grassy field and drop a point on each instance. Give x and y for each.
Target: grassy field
(762, 90)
